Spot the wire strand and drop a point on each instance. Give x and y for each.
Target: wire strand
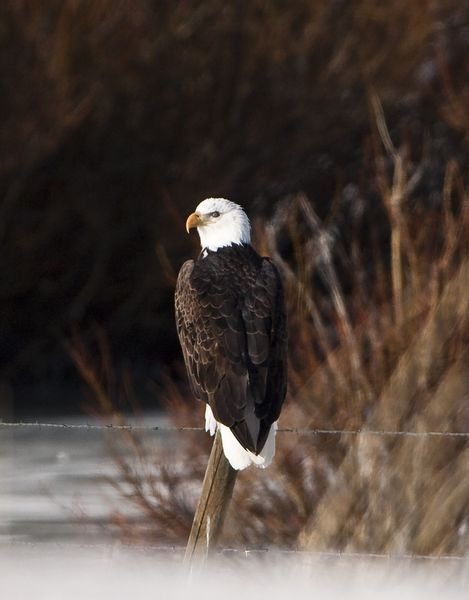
(295, 430)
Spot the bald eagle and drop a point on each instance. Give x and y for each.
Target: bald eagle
(230, 318)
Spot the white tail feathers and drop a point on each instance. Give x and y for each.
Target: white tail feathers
(238, 457)
(210, 423)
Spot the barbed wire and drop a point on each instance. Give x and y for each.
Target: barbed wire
(102, 427)
(245, 552)
(241, 552)
(175, 428)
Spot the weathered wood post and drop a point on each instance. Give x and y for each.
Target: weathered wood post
(217, 489)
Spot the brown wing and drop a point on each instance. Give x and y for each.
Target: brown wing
(231, 324)
(196, 335)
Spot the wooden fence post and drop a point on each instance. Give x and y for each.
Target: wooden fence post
(217, 489)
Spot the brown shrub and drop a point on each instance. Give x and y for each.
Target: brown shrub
(120, 116)
(378, 341)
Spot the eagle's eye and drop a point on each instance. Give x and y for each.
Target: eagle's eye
(215, 214)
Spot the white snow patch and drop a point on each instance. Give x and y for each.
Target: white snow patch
(117, 573)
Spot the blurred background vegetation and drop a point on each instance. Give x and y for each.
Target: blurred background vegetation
(342, 127)
(118, 117)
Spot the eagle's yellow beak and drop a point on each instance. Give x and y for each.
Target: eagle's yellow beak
(193, 220)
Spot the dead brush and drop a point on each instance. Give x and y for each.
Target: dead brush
(378, 340)
(150, 482)
(402, 495)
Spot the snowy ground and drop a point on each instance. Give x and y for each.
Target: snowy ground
(115, 573)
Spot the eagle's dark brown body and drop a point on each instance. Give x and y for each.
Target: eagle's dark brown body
(230, 320)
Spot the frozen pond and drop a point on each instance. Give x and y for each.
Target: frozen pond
(54, 483)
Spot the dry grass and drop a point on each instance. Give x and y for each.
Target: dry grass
(379, 331)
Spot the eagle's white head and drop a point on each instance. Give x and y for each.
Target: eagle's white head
(220, 223)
